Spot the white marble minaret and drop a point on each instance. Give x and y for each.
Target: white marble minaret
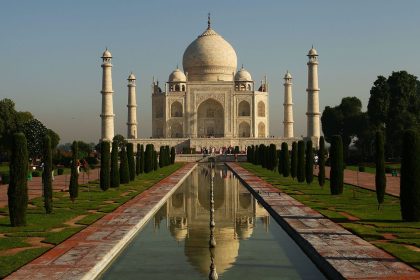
(107, 115)
(288, 106)
(132, 108)
(313, 115)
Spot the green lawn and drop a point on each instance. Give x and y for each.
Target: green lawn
(360, 203)
(92, 204)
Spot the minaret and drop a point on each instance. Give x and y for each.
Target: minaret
(107, 116)
(288, 106)
(132, 108)
(312, 113)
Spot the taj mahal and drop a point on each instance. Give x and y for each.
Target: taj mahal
(210, 103)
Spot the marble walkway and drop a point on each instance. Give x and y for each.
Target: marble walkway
(87, 253)
(60, 183)
(338, 252)
(366, 180)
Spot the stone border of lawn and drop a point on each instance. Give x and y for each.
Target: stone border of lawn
(337, 252)
(87, 254)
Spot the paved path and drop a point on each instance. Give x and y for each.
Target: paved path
(337, 251)
(60, 183)
(367, 180)
(87, 253)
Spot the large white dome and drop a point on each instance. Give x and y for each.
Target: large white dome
(210, 58)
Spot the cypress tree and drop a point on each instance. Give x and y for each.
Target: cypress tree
(115, 174)
(148, 159)
(142, 159)
(267, 157)
(257, 155)
(294, 161)
(337, 168)
(301, 161)
(410, 177)
(18, 189)
(172, 155)
(104, 179)
(138, 167)
(286, 161)
(261, 152)
(161, 156)
(74, 176)
(321, 161)
(272, 157)
(248, 154)
(47, 174)
(124, 172)
(131, 162)
(309, 162)
(279, 154)
(380, 179)
(155, 161)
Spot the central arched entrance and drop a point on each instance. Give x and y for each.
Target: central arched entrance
(210, 119)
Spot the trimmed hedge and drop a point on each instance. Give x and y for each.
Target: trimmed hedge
(285, 159)
(380, 179)
(294, 161)
(124, 172)
(337, 165)
(74, 176)
(18, 188)
(115, 174)
(321, 161)
(173, 155)
(410, 177)
(105, 172)
(309, 163)
(47, 174)
(301, 161)
(131, 162)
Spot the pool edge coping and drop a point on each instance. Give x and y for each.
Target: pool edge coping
(329, 270)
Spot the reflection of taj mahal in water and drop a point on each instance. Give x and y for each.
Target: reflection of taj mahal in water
(210, 103)
(187, 218)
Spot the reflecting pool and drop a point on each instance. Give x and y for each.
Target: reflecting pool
(174, 244)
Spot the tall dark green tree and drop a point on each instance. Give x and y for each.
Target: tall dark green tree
(138, 167)
(285, 159)
(104, 176)
(18, 189)
(394, 105)
(337, 165)
(47, 174)
(131, 161)
(173, 154)
(267, 156)
(74, 175)
(261, 152)
(148, 158)
(301, 161)
(272, 157)
(294, 161)
(155, 160)
(161, 156)
(321, 161)
(279, 154)
(309, 162)
(257, 155)
(124, 170)
(342, 120)
(142, 159)
(410, 177)
(380, 179)
(248, 154)
(167, 155)
(115, 173)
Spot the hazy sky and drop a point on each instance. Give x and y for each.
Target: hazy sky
(50, 52)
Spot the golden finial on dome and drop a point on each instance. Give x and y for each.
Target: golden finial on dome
(208, 21)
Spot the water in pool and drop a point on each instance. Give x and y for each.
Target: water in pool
(174, 244)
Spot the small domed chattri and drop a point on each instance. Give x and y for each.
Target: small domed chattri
(107, 54)
(243, 75)
(177, 76)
